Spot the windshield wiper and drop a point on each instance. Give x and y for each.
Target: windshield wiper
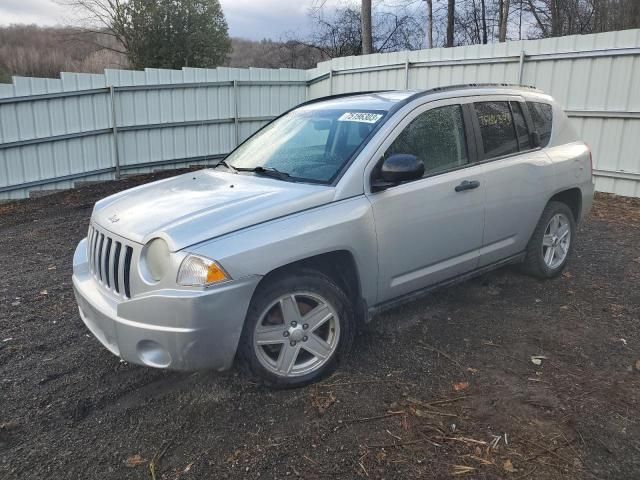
(225, 164)
(266, 171)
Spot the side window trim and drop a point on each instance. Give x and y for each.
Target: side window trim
(524, 108)
(473, 151)
(527, 124)
(513, 126)
(474, 126)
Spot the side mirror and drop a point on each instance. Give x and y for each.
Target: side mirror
(396, 169)
(534, 139)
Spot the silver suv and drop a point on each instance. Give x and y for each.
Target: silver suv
(339, 208)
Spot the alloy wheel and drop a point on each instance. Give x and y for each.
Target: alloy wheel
(556, 241)
(296, 334)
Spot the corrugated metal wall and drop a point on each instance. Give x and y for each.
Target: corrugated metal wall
(55, 132)
(595, 77)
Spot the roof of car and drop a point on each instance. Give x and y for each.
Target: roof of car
(386, 99)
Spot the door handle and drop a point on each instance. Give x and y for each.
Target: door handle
(467, 185)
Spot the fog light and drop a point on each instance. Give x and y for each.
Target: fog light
(153, 354)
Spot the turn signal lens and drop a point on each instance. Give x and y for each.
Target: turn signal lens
(200, 271)
(215, 274)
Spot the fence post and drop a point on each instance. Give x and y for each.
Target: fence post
(331, 81)
(406, 74)
(521, 67)
(236, 108)
(114, 127)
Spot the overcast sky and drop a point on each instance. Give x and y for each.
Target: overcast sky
(255, 19)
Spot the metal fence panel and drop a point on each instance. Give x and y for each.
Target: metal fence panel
(595, 77)
(55, 131)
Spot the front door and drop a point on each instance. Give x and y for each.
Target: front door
(430, 229)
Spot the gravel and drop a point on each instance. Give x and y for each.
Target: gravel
(442, 386)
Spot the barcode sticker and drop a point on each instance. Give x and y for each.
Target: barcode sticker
(363, 117)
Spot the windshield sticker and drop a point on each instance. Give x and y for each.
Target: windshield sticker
(363, 117)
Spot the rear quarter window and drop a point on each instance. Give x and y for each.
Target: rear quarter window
(542, 116)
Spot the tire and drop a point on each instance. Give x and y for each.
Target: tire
(317, 329)
(540, 261)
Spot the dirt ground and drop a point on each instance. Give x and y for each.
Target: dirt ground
(441, 387)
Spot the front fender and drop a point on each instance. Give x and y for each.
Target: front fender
(343, 225)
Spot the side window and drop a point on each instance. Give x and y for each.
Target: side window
(521, 126)
(542, 120)
(497, 129)
(436, 137)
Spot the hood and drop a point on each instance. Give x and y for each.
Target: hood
(198, 206)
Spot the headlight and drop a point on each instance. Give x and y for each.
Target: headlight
(155, 260)
(197, 270)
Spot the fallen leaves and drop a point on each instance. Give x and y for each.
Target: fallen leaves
(638, 365)
(460, 386)
(508, 466)
(322, 402)
(134, 461)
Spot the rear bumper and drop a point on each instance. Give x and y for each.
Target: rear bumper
(175, 329)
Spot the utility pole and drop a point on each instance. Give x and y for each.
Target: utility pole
(367, 40)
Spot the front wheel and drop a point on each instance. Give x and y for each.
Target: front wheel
(297, 328)
(552, 241)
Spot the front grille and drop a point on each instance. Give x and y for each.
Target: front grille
(110, 261)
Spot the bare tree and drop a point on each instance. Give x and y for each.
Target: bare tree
(451, 12)
(503, 19)
(485, 38)
(46, 51)
(429, 23)
(367, 36)
(101, 16)
(552, 18)
(338, 33)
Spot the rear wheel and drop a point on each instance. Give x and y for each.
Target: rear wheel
(552, 241)
(297, 328)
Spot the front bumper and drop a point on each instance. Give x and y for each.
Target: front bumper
(179, 329)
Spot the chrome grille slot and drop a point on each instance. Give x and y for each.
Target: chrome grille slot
(100, 246)
(110, 261)
(107, 264)
(127, 269)
(116, 264)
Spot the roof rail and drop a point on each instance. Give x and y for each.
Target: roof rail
(480, 85)
(341, 95)
(420, 93)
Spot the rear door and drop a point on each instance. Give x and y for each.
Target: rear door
(517, 176)
(428, 231)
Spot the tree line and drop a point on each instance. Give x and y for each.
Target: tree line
(391, 25)
(177, 33)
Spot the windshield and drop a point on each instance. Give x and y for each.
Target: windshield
(307, 144)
